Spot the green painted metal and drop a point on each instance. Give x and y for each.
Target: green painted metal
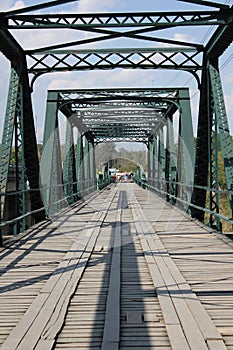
(19, 127)
(69, 171)
(79, 164)
(150, 159)
(157, 20)
(207, 3)
(20, 162)
(223, 127)
(155, 162)
(186, 141)
(13, 131)
(202, 149)
(161, 162)
(8, 129)
(107, 115)
(31, 151)
(92, 184)
(188, 59)
(213, 123)
(86, 162)
(51, 169)
(170, 162)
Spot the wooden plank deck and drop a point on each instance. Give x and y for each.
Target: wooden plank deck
(121, 270)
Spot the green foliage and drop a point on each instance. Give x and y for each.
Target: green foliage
(123, 160)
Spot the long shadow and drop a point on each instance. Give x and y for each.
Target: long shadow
(35, 247)
(132, 294)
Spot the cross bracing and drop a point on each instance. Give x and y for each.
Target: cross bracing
(114, 113)
(142, 115)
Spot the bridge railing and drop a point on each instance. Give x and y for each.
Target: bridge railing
(183, 203)
(12, 223)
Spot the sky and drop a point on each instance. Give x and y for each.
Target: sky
(114, 78)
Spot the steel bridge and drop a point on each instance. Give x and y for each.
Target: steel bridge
(178, 205)
(141, 115)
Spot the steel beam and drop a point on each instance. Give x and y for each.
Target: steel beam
(223, 127)
(150, 58)
(79, 156)
(51, 168)
(69, 172)
(158, 20)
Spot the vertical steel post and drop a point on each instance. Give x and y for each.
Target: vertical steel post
(86, 165)
(79, 164)
(187, 145)
(20, 161)
(69, 173)
(161, 162)
(155, 161)
(51, 169)
(92, 167)
(170, 161)
(7, 136)
(223, 127)
(150, 160)
(202, 147)
(14, 126)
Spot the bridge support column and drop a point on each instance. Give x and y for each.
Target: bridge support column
(212, 127)
(220, 125)
(92, 167)
(155, 161)
(79, 165)
(150, 160)
(170, 164)
(22, 158)
(86, 166)
(51, 168)
(161, 162)
(69, 171)
(202, 148)
(185, 148)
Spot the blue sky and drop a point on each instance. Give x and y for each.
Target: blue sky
(117, 78)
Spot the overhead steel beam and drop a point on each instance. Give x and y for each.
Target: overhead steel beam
(11, 48)
(159, 20)
(220, 41)
(207, 3)
(107, 59)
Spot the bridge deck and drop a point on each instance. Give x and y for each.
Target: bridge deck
(121, 270)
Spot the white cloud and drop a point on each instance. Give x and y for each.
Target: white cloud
(85, 6)
(183, 37)
(18, 5)
(7, 5)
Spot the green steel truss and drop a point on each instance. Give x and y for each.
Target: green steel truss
(142, 115)
(116, 120)
(157, 20)
(187, 59)
(123, 114)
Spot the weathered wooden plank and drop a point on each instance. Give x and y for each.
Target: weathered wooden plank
(111, 335)
(31, 333)
(161, 258)
(216, 344)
